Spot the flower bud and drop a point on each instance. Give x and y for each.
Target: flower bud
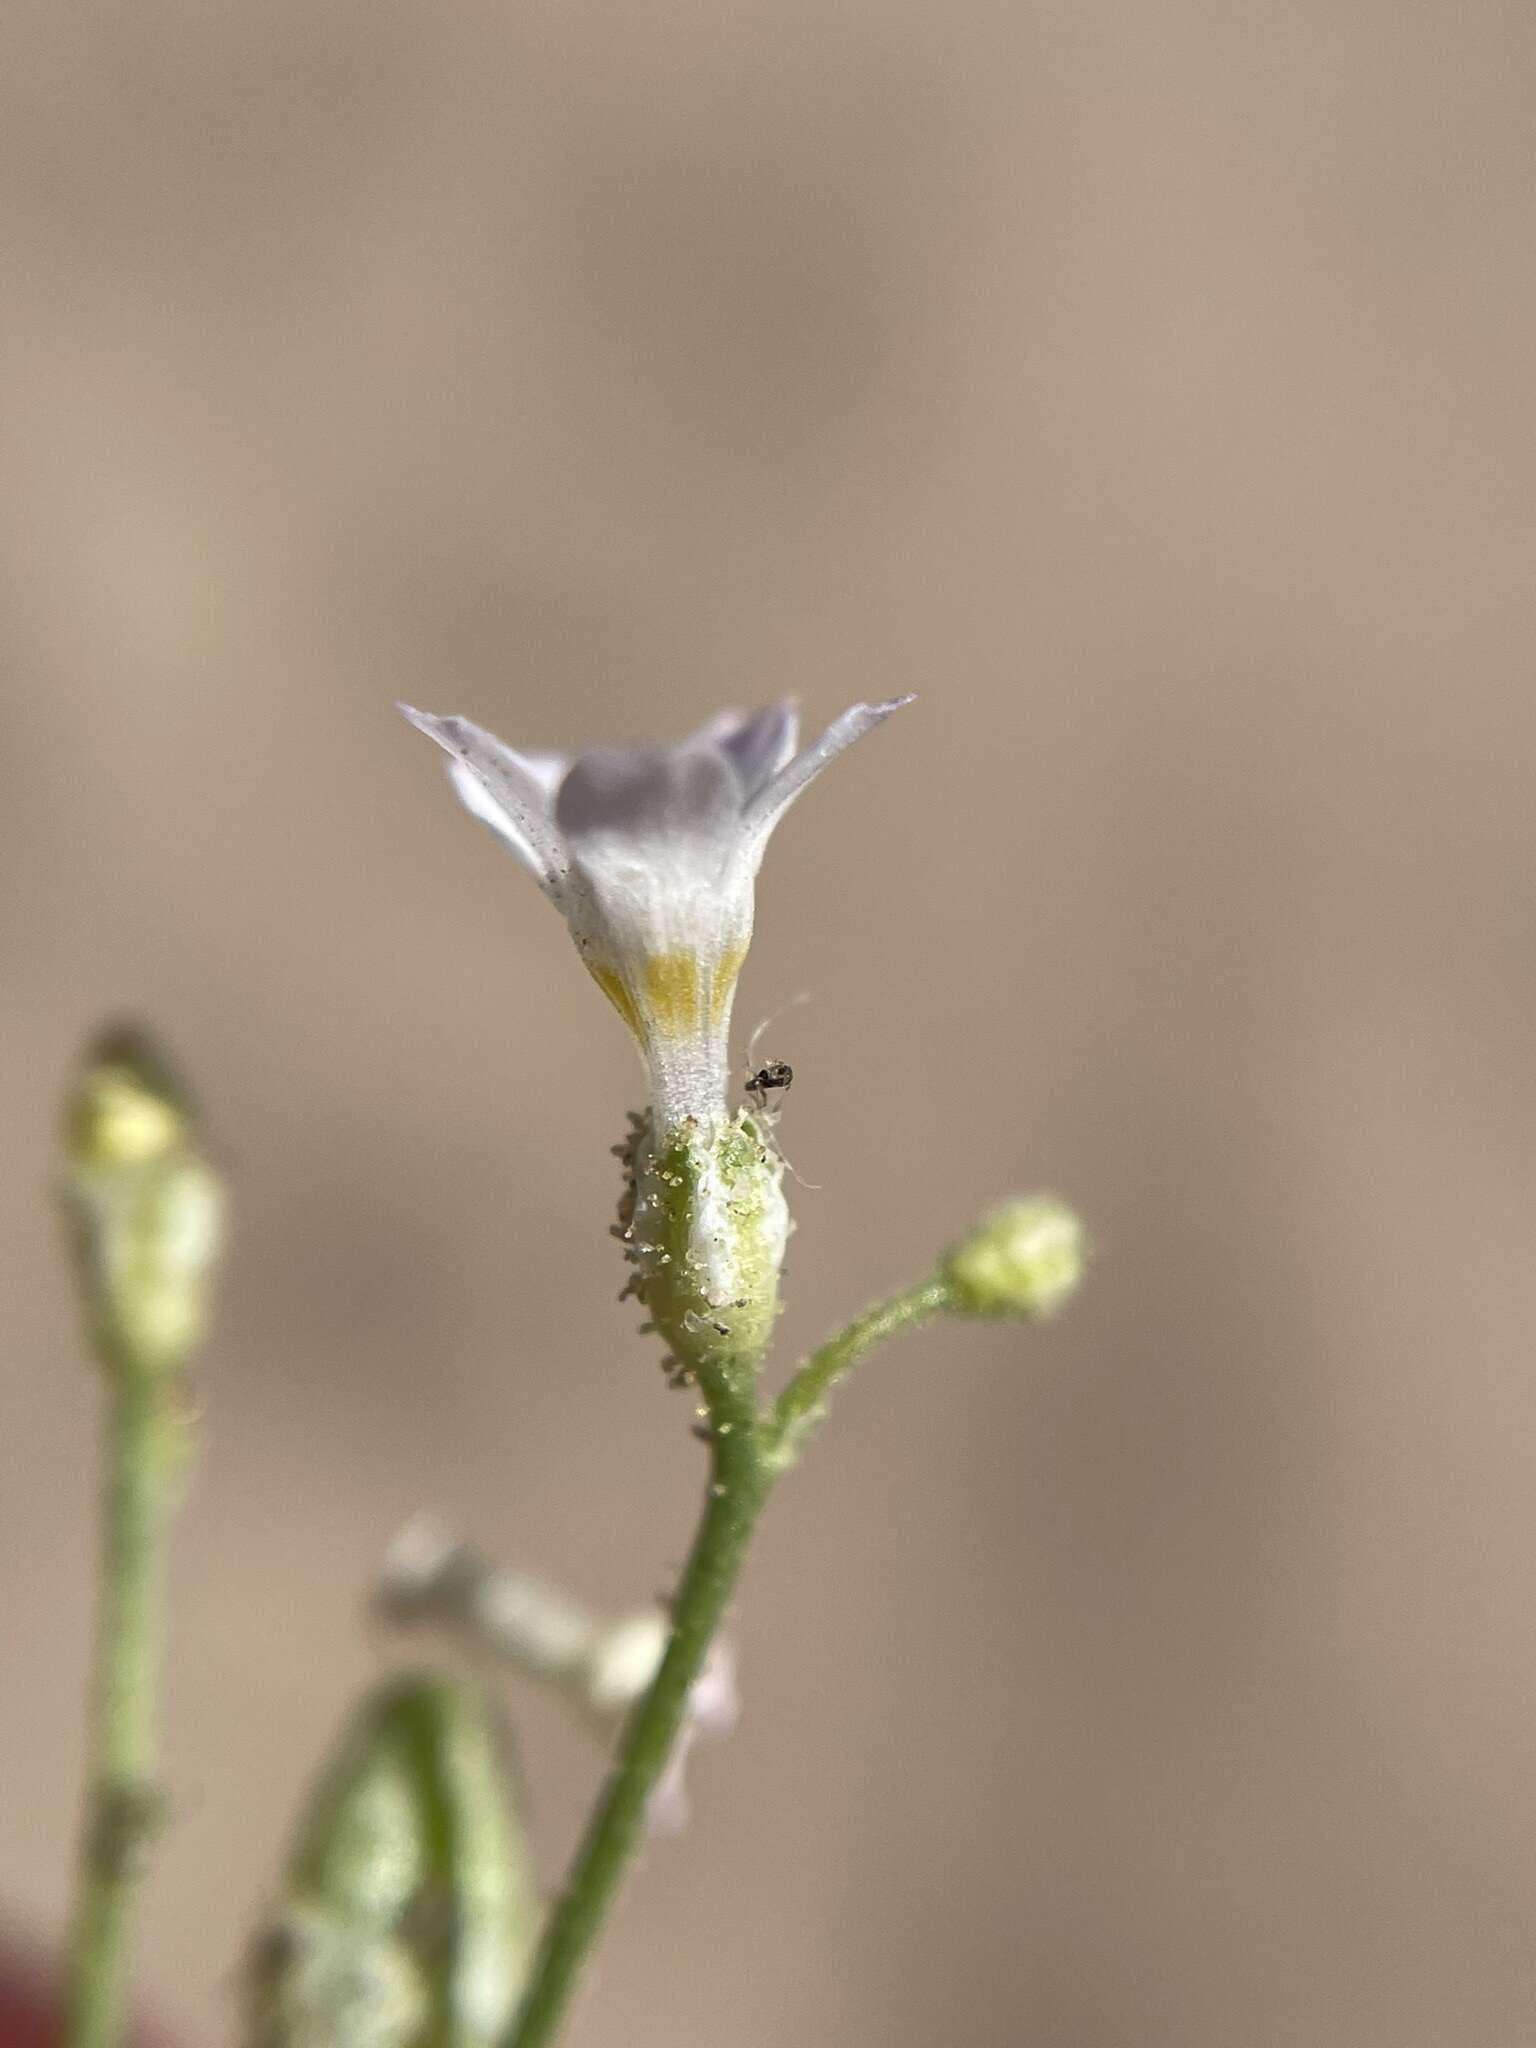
(704, 1224)
(407, 1911)
(1025, 1259)
(146, 1211)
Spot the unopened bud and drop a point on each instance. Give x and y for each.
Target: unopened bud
(1025, 1259)
(147, 1212)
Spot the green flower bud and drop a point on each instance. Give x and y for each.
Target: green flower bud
(704, 1224)
(408, 1911)
(147, 1212)
(1025, 1259)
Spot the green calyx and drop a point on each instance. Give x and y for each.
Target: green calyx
(704, 1225)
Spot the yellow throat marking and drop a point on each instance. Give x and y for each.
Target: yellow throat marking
(674, 997)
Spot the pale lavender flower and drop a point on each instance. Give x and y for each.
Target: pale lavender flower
(650, 855)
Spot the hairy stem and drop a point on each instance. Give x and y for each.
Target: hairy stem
(121, 1800)
(738, 1486)
(803, 1402)
(747, 1451)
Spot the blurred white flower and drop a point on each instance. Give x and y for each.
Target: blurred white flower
(602, 1667)
(650, 854)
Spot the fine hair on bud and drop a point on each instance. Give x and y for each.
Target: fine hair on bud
(704, 1225)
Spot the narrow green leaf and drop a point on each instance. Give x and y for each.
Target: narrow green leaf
(407, 1916)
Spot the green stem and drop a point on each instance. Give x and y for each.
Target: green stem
(122, 1802)
(803, 1402)
(746, 1455)
(738, 1487)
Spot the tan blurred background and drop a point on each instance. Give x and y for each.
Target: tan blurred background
(1150, 389)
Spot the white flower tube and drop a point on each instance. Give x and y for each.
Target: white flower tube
(650, 855)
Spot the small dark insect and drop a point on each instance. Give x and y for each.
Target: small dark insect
(772, 1078)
